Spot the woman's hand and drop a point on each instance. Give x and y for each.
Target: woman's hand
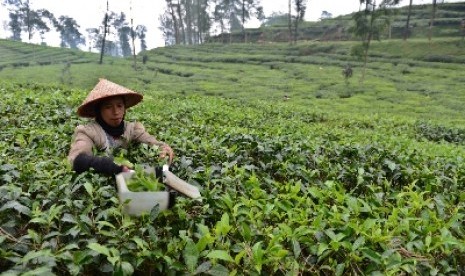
(167, 151)
(125, 169)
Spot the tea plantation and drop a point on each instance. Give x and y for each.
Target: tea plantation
(341, 178)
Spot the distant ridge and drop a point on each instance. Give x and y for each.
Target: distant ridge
(446, 24)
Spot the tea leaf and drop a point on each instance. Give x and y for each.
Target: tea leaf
(127, 268)
(13, 204)
(89, 188)
(218, 270)
(360, 241)
(203, 267)
(191, 255)
(220, 254)
(372, 255)
(222, 227)
(296, 248)
(101, 249)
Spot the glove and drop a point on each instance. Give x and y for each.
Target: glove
(103, 165)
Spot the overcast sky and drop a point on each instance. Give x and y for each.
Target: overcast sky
(89, 13)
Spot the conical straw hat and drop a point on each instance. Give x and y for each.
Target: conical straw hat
(105, 89)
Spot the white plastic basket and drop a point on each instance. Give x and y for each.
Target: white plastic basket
(137, 203)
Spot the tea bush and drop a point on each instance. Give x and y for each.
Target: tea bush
(285, 191)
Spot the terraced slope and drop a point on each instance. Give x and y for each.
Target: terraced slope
(416, 78)
(18, 54)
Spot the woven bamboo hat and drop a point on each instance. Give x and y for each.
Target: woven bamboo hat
(105, 89)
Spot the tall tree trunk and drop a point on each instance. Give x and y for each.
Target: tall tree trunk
(431, 22)
(296, 24)
(244, 38)
(222, 30)
(133, 36)
(199, 21)
(289, 21)
(368, 41)
(189, 25)
(230, 26)
(195, 23)
(367, 12)
(407, 24)
(28, 21)
(175, 22)
(181, 24)
(105, 28)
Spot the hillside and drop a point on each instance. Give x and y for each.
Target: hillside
(368, 182)
(447, 23)
(301, 170)
(17, 54)
(415, 78)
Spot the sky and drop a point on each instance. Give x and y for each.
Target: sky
(90, 13)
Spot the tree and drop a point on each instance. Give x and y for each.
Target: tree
(222, 15)
(289, 20)
(228, 14)
(15, 26)
(407, 24)
(112, 48)
(203, 19)
(173, 21)
(168, 28)
(326, 15)
(37, 23)
(276, 19)
(196, 20)
(236, 13)
(431, 22)
(116, 35)
(141, 30)
(25, 19)
(185, 21)
(105, 30)
(133, 37)
(300, 8)
(189, 18)
(94, 37)
(68, 29)
(249, 8)
(369, 23)
(16, 15)
(123, 31)
(179, 12)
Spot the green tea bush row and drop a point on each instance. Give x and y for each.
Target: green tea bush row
(285, 191)
(440, 133)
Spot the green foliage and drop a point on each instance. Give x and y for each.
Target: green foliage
(143, 181)
(122, 161)
(335, 179)
(441, 133)
(12, 51)
(399, 79)
(286, 190)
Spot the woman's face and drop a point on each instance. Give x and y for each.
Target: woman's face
(112, 111)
